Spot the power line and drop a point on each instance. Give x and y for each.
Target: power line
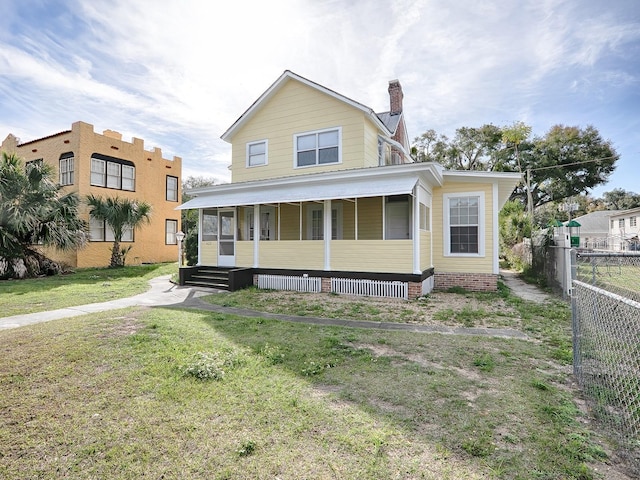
(560, 165)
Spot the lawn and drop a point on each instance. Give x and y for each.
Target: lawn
(88, 285)
(171, 393)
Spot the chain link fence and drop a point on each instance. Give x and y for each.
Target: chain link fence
(606, 336)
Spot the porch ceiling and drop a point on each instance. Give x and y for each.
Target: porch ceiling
(336, 189)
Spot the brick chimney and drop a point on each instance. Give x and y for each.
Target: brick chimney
(395, 97)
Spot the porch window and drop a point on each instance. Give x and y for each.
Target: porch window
(209, 225)
(424, 217)
(464, 230)
(317, 148)
(257, 153)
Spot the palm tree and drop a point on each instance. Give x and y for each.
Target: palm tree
(119, 214)
(34, 212)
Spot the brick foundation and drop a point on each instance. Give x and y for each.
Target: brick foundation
(475, 282)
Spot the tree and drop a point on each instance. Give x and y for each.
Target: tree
(119, 214)
(189, 218)
(34, 212)
(566, 162)
(620, 199)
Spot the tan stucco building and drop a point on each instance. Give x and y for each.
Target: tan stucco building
(107, 166)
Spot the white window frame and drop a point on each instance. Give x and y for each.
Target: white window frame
(66, 167)
(633, 222)
(173, 191)
(170, 230)
(99, 231)
(98, 175)
(337, 229)
(129, 180)
(114, 175)
(317, 149)
(265, 211)
(446, 198)
(249, 156)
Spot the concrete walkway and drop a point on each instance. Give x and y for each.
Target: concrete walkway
(522, 289)
(164, 293)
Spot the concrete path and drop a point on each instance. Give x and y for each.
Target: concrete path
(523, 289)
(164, 293)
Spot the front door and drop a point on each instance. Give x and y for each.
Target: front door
(227, 238)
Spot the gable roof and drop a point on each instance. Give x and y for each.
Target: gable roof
(279, 83)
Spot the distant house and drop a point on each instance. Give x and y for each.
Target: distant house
(624, 229)
(325, 196)
(594, 229)
(104, 165)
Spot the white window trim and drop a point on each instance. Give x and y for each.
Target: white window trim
(339, 219)
(447, 227)
(170, 237)
(266, 153)
(316, 132)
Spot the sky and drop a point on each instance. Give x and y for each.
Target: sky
(178, 73)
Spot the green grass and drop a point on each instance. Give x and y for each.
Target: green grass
(85, 286)
(113, 395)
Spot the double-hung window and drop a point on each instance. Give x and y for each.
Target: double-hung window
(66, 168)
(100, 231)
(172, 188)
(317, 148)
(256, 153)
(464, 230)
(170, 229)
(112, 172)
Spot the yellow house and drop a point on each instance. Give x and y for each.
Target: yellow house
(326, 197)
(106, 166)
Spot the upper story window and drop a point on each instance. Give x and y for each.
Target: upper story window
(317, 148)
(633, 222)
(66, 168)
(112, 172)
(464, 224)
(621, 223)
(172, 188)
(257, 153)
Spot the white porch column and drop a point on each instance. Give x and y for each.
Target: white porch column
(256, 235)
(416, 231)
(496, 230)
(200, 216)
(326, 224)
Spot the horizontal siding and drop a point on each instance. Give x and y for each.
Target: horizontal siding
(244, 254)
(384, 256)
(292, 254)
(297, 108)
(462, 264)
(209, 253)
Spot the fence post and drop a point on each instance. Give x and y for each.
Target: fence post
(575, 324)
